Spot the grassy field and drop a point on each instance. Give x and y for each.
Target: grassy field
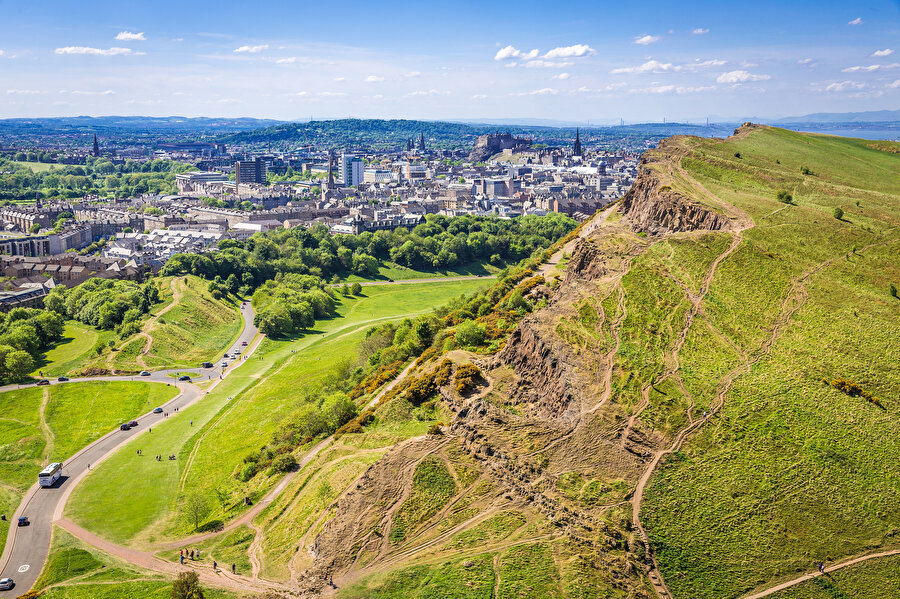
(77, 571)
(190, 327)
(791, 471)
(74, 350)
(267, 387)
(876, 579)
(44, 424)
(36, 167)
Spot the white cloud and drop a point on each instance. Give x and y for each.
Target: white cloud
(893, 85)
(289, 60)
(740, 77)
(23, 92)
(668, 89)
(302, 94)
(338, 78)
(251, 49)
(805, 61)
(107, 92)
(840, 86)
(547, 64)
(2, 52)
(331, 94)
(575, 51)
(561, 76)
(699, 31)
(545, 91)
(646, 40)
(871, 67)
(128, 36)
(856, 21)
(96, 51)
(885, 52)
(430, 92)
(412, 74)
(654, 66)
(373, 79)
(479, 96)
(511, 52)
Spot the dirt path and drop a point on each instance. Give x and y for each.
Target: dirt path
(49, 437)
(829, 569)
(589, 227)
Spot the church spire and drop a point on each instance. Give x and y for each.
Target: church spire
(96, 150)
(577, 148)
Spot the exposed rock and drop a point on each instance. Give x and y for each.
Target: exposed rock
(489, 144)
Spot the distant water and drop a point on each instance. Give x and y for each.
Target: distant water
(889, 131)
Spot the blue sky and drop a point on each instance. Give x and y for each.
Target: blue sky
(569, 60)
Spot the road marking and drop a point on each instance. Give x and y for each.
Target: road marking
(24, 568)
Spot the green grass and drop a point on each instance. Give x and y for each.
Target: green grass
(398, 272)
(36, 167)
(225, 549)
(261, 391)
(71, 353)
(75, 570)
(528, 571)
(459, 579)
(876, 579)
(432, 488)
(76, 415)
(791, 471)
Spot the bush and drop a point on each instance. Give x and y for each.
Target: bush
(283, 463)
(442, 373)
(737, 155)
(468, 376)
(356, 289)
(805, 171)
(838, 213)
(435, 430)
(421, 389)
(893, 289)
(469, 334)
(351, 428)
(785, 197)
(247, 472)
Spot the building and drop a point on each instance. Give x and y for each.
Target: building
(378, 175)
(250, 171)
(197, 181)
(351, 170)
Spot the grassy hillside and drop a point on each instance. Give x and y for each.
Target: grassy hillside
(73, 352)
(267, 387)
(39, 425)
(188, 328)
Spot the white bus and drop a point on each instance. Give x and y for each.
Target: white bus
(50, 474)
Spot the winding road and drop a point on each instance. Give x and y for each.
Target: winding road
(27, 547)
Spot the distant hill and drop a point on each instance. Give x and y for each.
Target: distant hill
(872, 116)
(131, 124)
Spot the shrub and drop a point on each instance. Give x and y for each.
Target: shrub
(435, 430)
(838, 213)
(785, 197)
(805, 171)
(469, 334)
(350, 428)
(893, 289)
(283, 463)
(442, 373)
(737, 155)
(421, 389)
(468, 376)
(247, 472)
(356, 289)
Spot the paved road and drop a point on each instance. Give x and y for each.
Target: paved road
(27, 547)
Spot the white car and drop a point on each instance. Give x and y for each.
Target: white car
(6, 584)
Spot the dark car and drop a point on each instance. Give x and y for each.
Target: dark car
(6, 584)
(244, 343)
(23, 521)
(184, 377)
(133, 423)
(207, 365)
(63, 379)
(157, 410)
(43, 382)
(125, 427)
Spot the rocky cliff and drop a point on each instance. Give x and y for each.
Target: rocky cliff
(655, 208)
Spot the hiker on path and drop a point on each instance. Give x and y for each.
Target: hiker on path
(822, 567)
(233, 569)
(215, 566)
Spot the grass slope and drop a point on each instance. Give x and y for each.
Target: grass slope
(72, 352)
(44, 424)
(791, 471)
(264, 389)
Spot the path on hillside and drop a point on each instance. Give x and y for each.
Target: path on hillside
(828, 570)
(27, 547)
(588, 227)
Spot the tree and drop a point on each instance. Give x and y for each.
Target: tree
(195, 508)
(838, 214)
(34, 228)
(356, 289)
(337, 410)
(187, 586)
(893, 290)
(19, 363)
(785, 197)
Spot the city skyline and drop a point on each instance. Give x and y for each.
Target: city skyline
(471, 61)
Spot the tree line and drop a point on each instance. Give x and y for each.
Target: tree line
(25, 334)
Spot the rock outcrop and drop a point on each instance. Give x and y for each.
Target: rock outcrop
(656, 209)
(491, 143)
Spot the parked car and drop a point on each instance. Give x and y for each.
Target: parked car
(23, 521)
(43, 382)
(157, 410)
(63, 379)
(125, 427)
(244, 343)
(206, 365)
(6, 584)
(133, 423)
(184, 377)
(145, 373)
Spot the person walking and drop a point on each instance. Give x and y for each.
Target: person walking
(215, 566)
(181, 559)
(233, 569)
(822, 567)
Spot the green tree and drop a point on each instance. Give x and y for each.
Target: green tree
(187, 586)
(469, 334)
(19, 363)
(838, 214)
(194, 508)
(893, 290)
(338, 409)
(356, 289)
(34, 228)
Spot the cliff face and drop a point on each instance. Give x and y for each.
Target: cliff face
(656, 209)
(489, 144)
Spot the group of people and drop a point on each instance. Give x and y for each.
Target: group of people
(159, 457)
(194, 554)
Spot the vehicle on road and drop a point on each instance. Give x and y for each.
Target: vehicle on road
(184, 377)
(206, 365)
(244, 343)
(6, 584)
(226, 356)
(224, 364)
(43, 382)
(133, 423)
(237, 352)
(23, 521)
(145, 373)
(62, 379)
(157, 410)
(125, 427)
(50, 474)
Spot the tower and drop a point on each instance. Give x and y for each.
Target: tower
(329, 182)
(577, 148)
(421, 142)
(96, 150)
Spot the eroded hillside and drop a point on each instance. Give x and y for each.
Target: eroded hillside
(687, 411)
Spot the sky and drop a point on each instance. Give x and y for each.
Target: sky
(591, 61)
